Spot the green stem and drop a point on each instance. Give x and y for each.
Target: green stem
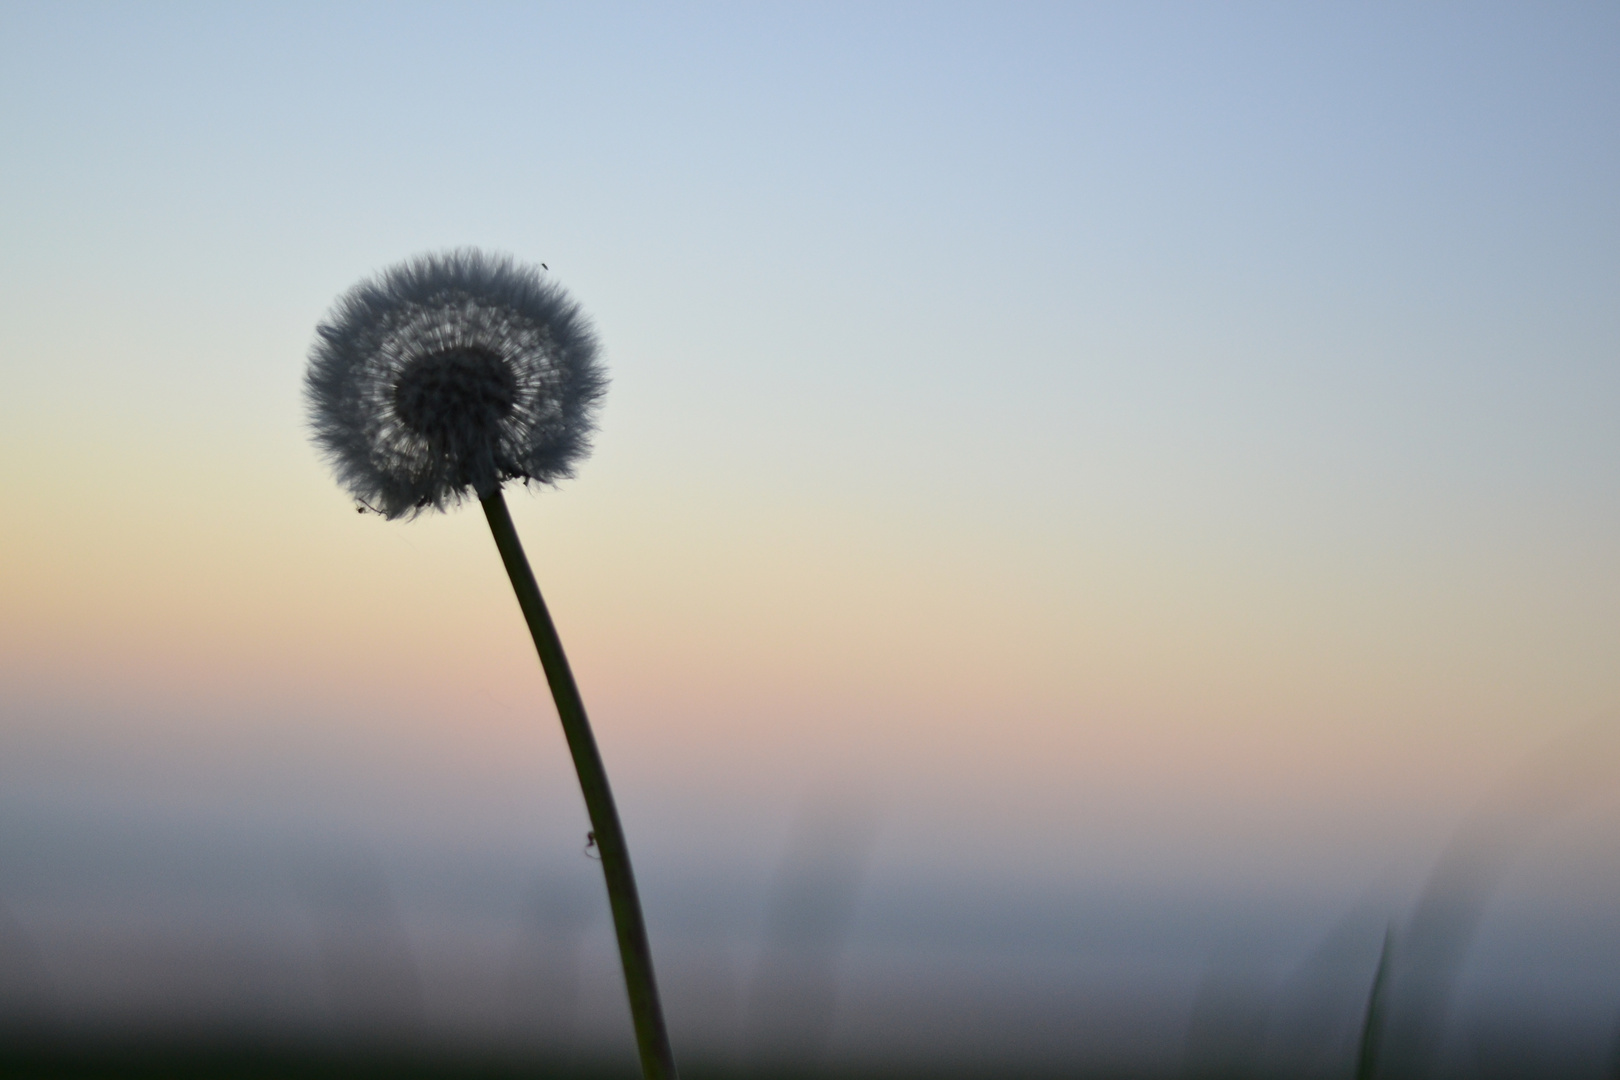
(652, 1040)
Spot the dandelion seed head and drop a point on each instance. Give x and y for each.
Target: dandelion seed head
(447, 375)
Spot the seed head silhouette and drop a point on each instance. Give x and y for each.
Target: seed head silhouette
(447, 375)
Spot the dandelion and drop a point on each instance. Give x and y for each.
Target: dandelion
(440, 380)
(447, 376)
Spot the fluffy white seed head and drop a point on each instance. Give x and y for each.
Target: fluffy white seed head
(447, 375)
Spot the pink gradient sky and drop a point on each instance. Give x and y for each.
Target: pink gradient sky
(1183, 439)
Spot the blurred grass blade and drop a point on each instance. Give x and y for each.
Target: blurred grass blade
(1372, 1022)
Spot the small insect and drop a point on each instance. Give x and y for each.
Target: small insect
(543, 266)
(591, 850)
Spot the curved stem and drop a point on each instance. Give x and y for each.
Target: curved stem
(652, 1040)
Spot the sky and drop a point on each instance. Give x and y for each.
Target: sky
(1148, 447)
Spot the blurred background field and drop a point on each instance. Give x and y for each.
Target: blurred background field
(176, 948)
(1101, 513)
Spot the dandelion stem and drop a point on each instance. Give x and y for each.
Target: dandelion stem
(652, 1040)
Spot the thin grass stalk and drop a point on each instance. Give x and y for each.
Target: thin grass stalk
(1372, 1021)
(652, 1038)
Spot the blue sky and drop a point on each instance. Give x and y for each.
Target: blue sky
(1235, 363)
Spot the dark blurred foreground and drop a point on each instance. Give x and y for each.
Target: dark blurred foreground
(128, 952)
(107, 1058)
(101, 1058)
